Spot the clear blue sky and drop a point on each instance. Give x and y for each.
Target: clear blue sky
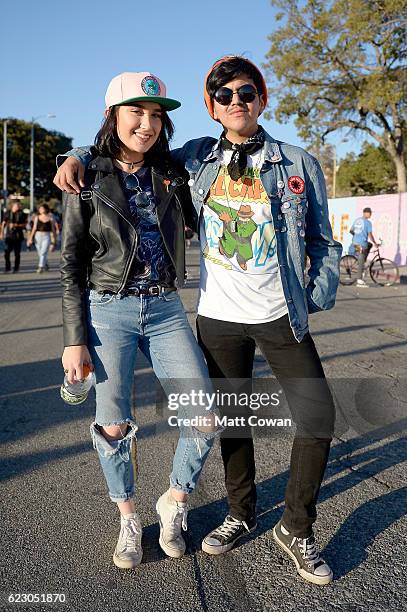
(58, 57)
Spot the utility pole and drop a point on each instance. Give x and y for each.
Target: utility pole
(32, 168)
(5, 192)
(34, 119)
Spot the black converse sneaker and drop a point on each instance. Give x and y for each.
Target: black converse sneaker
(304, 553)
(224, 537)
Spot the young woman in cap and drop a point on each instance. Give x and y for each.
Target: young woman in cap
(123, 255)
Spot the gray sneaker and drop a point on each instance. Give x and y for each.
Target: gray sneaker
(304, 553)
(128, 551)
(173, 519)
(223, 538)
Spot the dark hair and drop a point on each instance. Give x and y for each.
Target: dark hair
(108, 143)
(231, 69)
(367, 209)
(44, 206)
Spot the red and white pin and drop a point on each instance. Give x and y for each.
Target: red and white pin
(296, 184)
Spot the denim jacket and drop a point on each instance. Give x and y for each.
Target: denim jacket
(295, 186)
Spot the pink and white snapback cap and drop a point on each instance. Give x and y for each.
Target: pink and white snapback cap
(131, 87)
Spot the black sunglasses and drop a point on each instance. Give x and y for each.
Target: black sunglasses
(246, 93)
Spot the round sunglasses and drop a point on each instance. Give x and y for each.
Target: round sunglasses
(246, 93)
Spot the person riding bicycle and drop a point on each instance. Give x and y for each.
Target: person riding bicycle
(362, 241)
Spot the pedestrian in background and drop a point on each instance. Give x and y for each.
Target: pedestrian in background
(43, 233)
(362, 240)
(12, 232)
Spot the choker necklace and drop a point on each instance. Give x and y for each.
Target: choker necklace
(131, 164)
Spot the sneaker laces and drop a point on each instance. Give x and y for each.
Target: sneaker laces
(229, 526)
(131, 531)
(177, 522)
(309, 550)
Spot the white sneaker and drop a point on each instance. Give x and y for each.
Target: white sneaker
(361, 283)
(128, 551)
(173, 519)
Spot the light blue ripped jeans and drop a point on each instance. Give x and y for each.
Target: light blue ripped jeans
(42, 244)
(118, 326)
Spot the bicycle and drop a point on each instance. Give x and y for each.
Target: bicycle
(382, 271)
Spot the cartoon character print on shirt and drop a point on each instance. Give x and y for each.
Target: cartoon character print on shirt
(238, 229)
(238, 224)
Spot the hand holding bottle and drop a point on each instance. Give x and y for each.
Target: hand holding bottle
(73, 360)
(79, 377)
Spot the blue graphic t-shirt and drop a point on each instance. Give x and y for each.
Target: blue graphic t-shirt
(152, 264)
(362, 228)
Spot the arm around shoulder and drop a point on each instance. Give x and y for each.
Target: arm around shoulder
(71, 169)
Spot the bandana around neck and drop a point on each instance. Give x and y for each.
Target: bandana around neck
(238, 163)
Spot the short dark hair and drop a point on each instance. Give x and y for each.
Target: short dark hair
(108, 143)
(367, 209)
(231, 69)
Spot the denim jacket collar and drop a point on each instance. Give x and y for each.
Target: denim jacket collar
(272, 150)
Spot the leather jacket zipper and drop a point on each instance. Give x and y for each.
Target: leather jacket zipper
(169, 196)
(107, 201)
(180, 209)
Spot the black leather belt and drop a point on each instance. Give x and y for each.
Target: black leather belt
(150, 290)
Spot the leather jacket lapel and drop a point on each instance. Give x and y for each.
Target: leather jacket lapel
(164, 187)
(110, 187)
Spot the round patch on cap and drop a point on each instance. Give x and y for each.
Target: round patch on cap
(296, 184)
(150, 86)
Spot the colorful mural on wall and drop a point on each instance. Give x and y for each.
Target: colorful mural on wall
(389, 220)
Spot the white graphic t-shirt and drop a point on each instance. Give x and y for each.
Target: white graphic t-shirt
(240, 278)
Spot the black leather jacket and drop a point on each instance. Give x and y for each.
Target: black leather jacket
(99, 239)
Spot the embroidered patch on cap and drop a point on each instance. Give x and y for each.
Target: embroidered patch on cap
(150, 86)
(296, 184)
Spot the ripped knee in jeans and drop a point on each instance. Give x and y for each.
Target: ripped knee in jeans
(110, 447)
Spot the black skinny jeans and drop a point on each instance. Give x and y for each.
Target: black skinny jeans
(13, 244)
(229, 350)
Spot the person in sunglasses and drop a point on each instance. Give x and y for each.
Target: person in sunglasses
(122, 258)
(280, 188)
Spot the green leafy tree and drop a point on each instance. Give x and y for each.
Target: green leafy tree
(342, 64)
(47, 145)
(370, 172)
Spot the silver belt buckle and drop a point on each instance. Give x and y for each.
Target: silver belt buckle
(86, 195)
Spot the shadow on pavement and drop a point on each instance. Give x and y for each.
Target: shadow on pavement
(29, 396)
(358, 531)
(27, 290)
(40, 407)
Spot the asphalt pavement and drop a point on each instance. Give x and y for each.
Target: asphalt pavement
(59, 528)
